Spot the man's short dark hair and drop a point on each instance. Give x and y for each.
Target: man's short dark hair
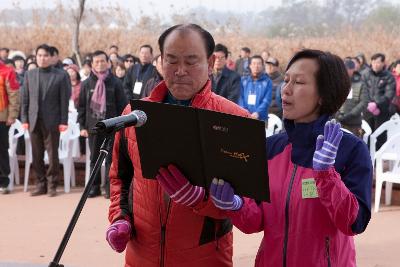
(333, 82)
(5, 49)
(257, 57)
(205, 35)
(98, 53)
(221, 48)
(114, 46)
(147, 46)
(9, 62)
(44, 47)
(246, 49)
(53, 51)
(378, 55)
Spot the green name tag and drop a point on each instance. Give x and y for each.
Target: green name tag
(309, 188)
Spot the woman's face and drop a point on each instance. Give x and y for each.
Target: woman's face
(72, 74)
(300, 98)
(119, 72)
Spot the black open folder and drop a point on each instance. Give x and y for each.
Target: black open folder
(204, 144)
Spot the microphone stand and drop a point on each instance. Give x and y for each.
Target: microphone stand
(104, 150)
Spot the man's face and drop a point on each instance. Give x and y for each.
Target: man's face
(377, 64)
(99, 63)
(185, 64)
(43, 58)
(270, 68)
(54, 59)
(113, 50)
(3, 54)
(256, 66)
(244, 54)
(220, 60)
(145, 55)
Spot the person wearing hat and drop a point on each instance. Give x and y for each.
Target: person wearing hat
(350, 113)
(274, 73)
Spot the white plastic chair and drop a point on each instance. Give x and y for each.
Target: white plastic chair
(28, 159)
(274, 125)
(15, 132)
(391, 127)
(390, 152)
(367, 130)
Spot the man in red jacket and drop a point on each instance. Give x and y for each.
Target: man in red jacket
(156, 231)
(9, 109)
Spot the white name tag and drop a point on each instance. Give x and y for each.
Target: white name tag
(137, 89)
(251, 100)
(350, 95)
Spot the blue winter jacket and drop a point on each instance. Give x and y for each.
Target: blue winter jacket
(262, 88)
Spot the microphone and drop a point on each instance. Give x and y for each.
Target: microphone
(136, 118)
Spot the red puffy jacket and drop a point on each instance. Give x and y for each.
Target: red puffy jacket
(165, 233)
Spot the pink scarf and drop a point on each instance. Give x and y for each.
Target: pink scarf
(98, 101)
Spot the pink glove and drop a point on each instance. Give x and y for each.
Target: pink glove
(178, 187)
(373, 108)
(118, 235)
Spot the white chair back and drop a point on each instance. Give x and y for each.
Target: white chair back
(274, 125)
(15, 132)
(367, 130)
(390, 153)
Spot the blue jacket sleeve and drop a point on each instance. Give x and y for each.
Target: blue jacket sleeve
(262, 109)
(241, 97)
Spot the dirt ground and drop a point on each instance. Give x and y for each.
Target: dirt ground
(31, 229)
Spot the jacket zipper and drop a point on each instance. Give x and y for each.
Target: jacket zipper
(327, 247)
(163, 230)
(285, 241)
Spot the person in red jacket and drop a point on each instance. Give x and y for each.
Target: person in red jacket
(9, 109)
(155, 230)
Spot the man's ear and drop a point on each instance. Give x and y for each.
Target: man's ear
(211, 61)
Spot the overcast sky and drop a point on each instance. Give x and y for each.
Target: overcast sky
(158, 6)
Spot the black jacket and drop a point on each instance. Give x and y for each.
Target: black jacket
(137, 73)
(381, 88)
(228, 85)
(115, 100)
(351, 111)
(55, 98)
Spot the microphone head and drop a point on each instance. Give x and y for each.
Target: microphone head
(142, 117)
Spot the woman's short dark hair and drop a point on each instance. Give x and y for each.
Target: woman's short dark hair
(333, 82)
(205, 35)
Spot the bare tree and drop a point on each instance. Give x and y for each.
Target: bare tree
(77, 18)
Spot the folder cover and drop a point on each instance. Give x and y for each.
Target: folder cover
(204, 144)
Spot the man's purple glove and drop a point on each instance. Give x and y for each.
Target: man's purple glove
(327, 146)
(118, 235)
(223, 195)
(178, 187)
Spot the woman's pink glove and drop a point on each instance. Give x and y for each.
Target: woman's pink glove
(178, 187)
(373, 108)
(118, 235)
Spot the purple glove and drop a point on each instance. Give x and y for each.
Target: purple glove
(118, 235)
(327, 146)
(223, 196)
(178, 187)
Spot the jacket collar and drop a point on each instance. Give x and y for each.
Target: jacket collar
(159, 93)
(305, 134)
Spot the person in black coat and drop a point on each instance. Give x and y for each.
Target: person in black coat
(225, 82)
(139, 74)
(101, 97)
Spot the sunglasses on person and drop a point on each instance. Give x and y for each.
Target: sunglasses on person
(129, 60)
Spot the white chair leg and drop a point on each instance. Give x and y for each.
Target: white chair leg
(67, 176)
(16, 170)
(388, 193)
(11, 175)
(73, 182)
(26, 176)
(378, 190)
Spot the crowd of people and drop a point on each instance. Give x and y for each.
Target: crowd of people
(190, 227)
